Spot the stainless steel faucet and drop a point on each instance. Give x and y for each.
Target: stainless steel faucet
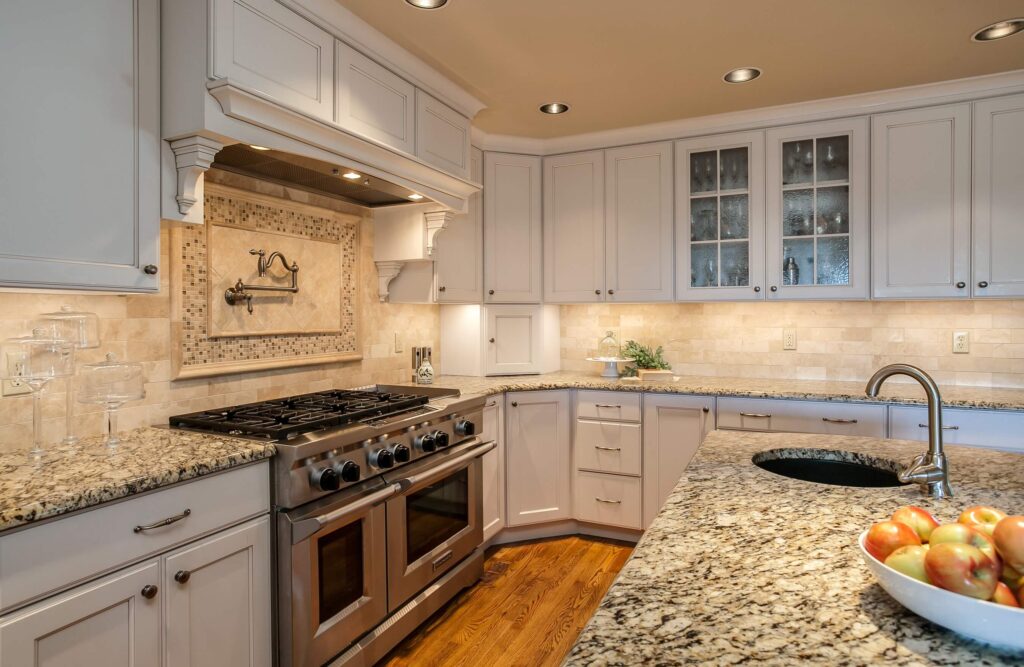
(931, 468)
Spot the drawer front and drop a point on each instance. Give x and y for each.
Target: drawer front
(616, 405)
(45, 558)
(756, 414)
(977, 428)
(608, 447)
(612, 500)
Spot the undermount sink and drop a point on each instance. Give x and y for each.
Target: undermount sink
(824, 466)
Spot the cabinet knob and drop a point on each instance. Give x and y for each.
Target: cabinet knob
(441, 288)
(490, 340)
(611, 291)
(961, 285)
(150, 269)
(515, 404)
(149, 591)
(983, 284)
(597, 291)
(757, 288)
(182, 576)
(774, 288)
(491, 292)
(705, 409)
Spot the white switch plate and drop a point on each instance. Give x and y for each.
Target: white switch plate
(398, 343)
(961, 342)
(15, 366)
(789, 339)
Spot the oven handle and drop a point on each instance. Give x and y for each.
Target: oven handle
(303, 529)
(448, 466)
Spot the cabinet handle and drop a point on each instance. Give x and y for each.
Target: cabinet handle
(491, 292)
(608, 449)
(182, 576)
(149, 591)
(163, 522)
(705, 409)
(515, 404)
(983, 284)
(757, 288)
(758, 415)
(597, 291)
(774, 288)
(611, 291)
(610, 502)
(961, 285)
(606, 405)
(490, 340)
(944, 428)
(441, 288)
(491, 404)
(832, 420)
(150, 269)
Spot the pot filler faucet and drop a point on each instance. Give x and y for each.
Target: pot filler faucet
(931, 468)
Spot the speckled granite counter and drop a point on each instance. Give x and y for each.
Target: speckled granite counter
(64, 481)
(892, 392)
(744, 566)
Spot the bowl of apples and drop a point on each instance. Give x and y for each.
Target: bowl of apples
(966, 576)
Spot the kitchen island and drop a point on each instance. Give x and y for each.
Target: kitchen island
(745, 566)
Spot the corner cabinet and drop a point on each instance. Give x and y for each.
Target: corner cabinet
(574, 236)
(92, 106)
(538, 457)
(816, 241)
(458, 250)
(512, 228)
(674, 427)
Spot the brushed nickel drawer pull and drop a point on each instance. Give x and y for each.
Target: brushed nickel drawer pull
(606, 405)
(944, 428)
(610, 502)
(758, 415)
(163, 522)
(608, 449)
(833, 420)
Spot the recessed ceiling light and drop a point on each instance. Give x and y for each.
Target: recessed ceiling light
(998, 30)
(415, 197)
(258, 148)
(427, 4)
(554, 108)
(742, 75)
(351, 175)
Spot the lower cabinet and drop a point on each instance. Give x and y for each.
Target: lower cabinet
(793, 416)
(673, 429)
(609, 500)
(538, 467)
(494, 467)
(976, 428)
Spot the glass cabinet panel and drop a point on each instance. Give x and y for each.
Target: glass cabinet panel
(720, 218)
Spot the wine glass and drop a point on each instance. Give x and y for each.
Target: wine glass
(82, 331)
(36, 360)
(112, 383)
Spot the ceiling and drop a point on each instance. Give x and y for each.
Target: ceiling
(620, 63)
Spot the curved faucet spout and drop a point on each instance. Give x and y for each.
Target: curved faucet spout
(284, 262)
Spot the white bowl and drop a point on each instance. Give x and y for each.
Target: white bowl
(980, 620)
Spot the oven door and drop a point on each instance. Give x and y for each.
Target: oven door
(436, 521)
(332, 576)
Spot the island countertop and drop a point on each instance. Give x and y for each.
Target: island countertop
(745, 566)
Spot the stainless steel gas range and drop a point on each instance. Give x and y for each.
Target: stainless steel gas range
(378, 495)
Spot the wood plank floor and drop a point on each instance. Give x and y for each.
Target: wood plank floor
(528, 609)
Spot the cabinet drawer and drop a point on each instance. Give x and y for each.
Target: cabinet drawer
(608, 447)
(977, 428)
(617, 405)
(53, 555)
(611, 500)
(756, 414)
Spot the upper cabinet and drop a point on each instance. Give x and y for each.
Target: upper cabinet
(458, 250)
(921, 202)
(512, 228)
(442, 136)
(80, 126)
(817, 210)
(998, 197)
(720, 217)
(373, 101)
(574, 234)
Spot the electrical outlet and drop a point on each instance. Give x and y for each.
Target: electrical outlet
(789, 339)
(961, 342)
(15, 367)
(398, 343)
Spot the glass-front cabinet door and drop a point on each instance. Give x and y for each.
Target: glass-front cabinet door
(817, 210)
(720, 217)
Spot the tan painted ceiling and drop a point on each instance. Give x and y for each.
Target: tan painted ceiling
(630, 62)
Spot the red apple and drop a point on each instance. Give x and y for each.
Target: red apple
(962, 568)
(1004, 595)
(917, 518)
(885, 537)
(1011, 577)
(982, 517)
(909, 561)
(963, 534)
(1009, 539)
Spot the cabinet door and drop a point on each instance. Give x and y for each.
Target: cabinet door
(999, 197)
(720, 217)
(638, 206)
(674, 428)
(80, 129)
(537, 455)
(107, 623)
(373, 101)
(442, 135)
(458, 250)
(494, 467)
(574, 265)
(817, 210)
(513, 340)
(266, 47)
(512, 228)
(218, 600)
(921, 202)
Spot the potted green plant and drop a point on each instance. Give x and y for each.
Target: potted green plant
(648, 364)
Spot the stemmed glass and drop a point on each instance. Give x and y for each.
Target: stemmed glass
(37, 359)
(112, 383)
(82, 331)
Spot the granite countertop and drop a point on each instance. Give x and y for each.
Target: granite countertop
(817, 390)
(66, 480)
(744, 566)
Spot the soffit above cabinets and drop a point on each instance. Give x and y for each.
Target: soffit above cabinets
(622, 64)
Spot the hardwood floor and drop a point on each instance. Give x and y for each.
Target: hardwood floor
(528, 609)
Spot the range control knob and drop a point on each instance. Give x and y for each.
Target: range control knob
(350, 471)
(441, 439)
(382, 458)
(465, 427)
(426, 442)
(402, 453)
(326, 479)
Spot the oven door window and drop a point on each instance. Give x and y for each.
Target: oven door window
(340, 560)
(436, 513)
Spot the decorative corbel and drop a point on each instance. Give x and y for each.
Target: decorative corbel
(386, 272)
(435, 222)
(192, 157)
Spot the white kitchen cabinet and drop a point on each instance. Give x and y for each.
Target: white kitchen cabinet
(538, 458)
(817, 210)
(499, 339)
(218, 600)
(638, 223)
(512, 228)
(574, 228)
(998, 197)
(829, 417)
(607, 446)
(921, 203)
(80, 129)
(494, 466)
(720, 218)
(112, 622)
(373, 101)
(513, 342)
(978, 428)
(458, 250)
(674, 427)
(608, 500)
(442, 136)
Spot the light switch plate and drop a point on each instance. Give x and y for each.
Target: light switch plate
(789, 339)
(398, 343)
(961, 342)
(14, 387)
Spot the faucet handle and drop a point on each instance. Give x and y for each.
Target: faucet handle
(259, 252)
